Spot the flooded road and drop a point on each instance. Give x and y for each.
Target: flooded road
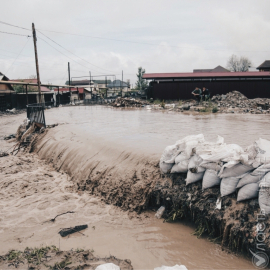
(146, 241)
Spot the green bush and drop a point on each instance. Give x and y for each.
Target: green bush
(214, 110)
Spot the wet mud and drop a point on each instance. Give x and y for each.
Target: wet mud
(133, 182)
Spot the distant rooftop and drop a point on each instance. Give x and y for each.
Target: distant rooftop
(117, 83)
(264, 65)
(215, 70)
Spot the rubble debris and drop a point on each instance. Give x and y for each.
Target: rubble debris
(66, 231)
(12, 112)
(129, 102)
(160, 212)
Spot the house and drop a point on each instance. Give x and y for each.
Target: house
(116, 86)
(265, 66)
(216, 69)
(32, 93)
(177, 86)
(78, 93)
(6, 91)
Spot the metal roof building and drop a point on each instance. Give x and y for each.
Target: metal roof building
(180, 85)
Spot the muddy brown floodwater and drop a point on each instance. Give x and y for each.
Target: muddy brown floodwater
(146, 241)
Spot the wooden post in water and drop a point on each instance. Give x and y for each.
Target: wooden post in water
(36, 57)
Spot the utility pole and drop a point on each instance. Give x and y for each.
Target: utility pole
(106, 87)
(36, 57)
(122, 85)
(90, 85)
(69, 81)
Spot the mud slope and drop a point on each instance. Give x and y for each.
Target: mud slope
(123, 177)
(131, 179)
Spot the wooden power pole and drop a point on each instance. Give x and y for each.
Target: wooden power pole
(69, 82)
(36, 56)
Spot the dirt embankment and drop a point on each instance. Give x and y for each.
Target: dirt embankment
(133, 181)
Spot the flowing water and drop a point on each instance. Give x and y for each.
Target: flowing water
(146, 241)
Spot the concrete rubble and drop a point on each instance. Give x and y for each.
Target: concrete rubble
(129, 102)
(232, 102)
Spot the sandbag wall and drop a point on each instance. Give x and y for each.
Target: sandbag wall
(245, 171)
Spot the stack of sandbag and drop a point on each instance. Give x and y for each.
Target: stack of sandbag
(227, 165)
(184, 147)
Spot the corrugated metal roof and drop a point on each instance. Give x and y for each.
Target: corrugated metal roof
(205, 75)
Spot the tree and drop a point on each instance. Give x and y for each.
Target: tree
(141, 83)
(241, 64)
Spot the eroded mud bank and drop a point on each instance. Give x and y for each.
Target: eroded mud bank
(131, 180)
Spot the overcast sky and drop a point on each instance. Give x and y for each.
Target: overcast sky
(115, 35)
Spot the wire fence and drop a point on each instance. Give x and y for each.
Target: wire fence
(35, 113)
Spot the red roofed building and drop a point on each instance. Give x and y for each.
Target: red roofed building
(180, 85)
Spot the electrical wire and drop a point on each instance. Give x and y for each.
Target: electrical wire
(63, 53)
(14, 25)
(73, 53)
(120, 40)
(18, 55)
(14, 34)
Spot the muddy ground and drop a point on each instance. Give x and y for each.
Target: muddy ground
(52, 258)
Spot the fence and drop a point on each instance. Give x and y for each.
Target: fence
(35, 113)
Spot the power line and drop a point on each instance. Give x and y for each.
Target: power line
(120, 40)
(73, 53)
(18, 55)
(63, 53)
(14, 34)
(14, 25)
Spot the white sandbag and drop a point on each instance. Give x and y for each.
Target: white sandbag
(189, 143)
(172, 151)
(263, 150)
(193, 177)
(204, 148)
(181, 167)
(215, 166)
(235, 171)
(108, 266)
(249, 179)
(228, 185)
(249, 191)
(210, 179)
(194, 163)
(265, 181)
(165, 167)
(264, 199)
(181, 157)
(176, 267)
(225, 152)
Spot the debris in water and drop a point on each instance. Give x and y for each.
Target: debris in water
(218, 203)
(68, 212)
(66, 231)
(160, 212)
(176, 267)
